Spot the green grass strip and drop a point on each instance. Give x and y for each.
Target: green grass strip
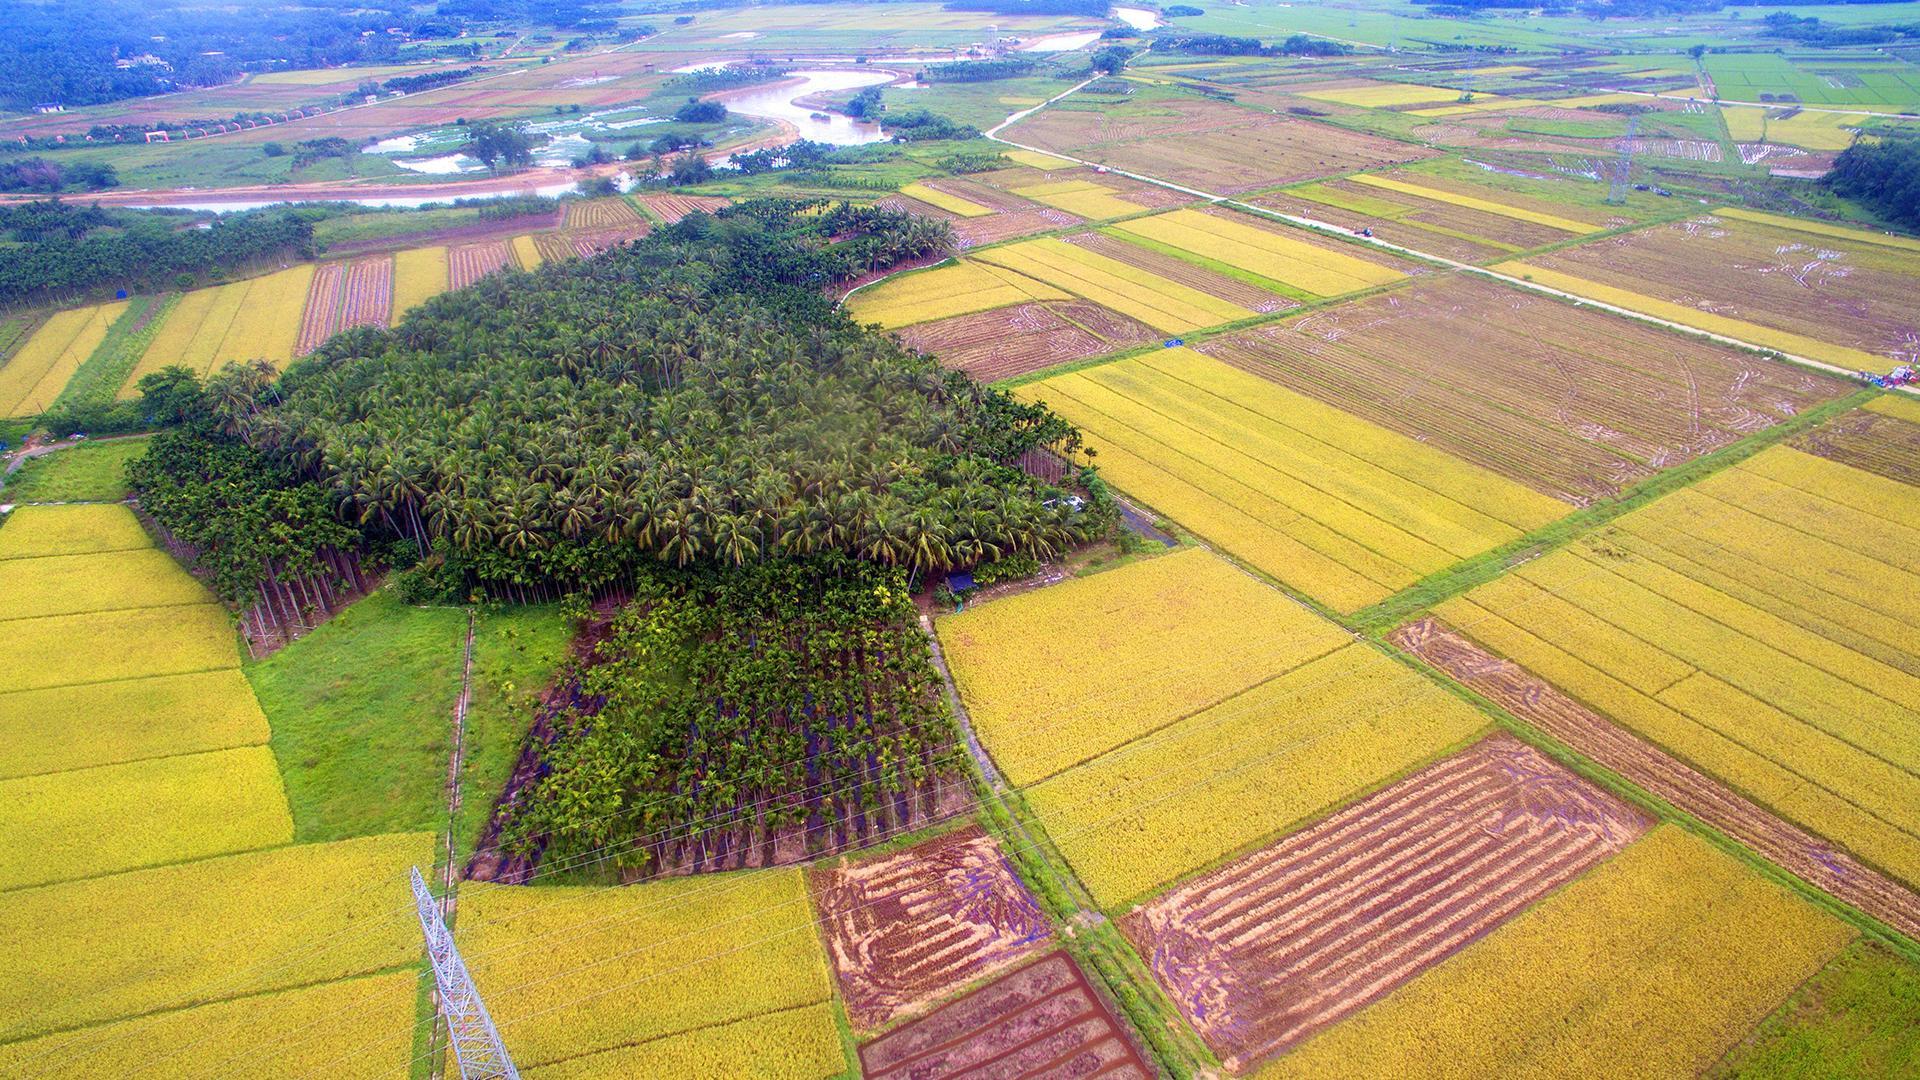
(103, 373)
(1445, 584)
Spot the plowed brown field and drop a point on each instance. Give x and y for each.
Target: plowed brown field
(1538, 703)
(344, 295)
(1572, 402)
(905, 929)
(672, 208)
(1043, 1020)
(471, 262)
(1010, 341)
(607, 213)
(993, 228)
(1267, 950)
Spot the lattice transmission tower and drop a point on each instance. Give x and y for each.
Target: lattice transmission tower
(1623, 172)
(476, 1042)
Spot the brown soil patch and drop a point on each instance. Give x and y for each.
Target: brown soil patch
(671, 208)
(1881, 444)
(471, 262)
(1572, 402)
(1010, 341)
(1268, 950)
(993, 228)
(1043, 1020)
(908, 928)
(1534, 700)
(344, 295)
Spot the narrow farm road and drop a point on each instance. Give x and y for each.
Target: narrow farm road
(1399, 249)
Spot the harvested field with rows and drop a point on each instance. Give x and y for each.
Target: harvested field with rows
(1167, 306)
(1574, 403)
(1297, 262)
(905, 929)
(1533, 700)
(1655, 963)
(1271, 948)
(1883, 438)
(958, 288)
(1847, 300)
(1339, 508)
(1760, 625)
(1043, 1020)
(614, 212)
(1443, 222)
(1181, 272)
(1012, 341)
(471, 262)
(671, 208)
(975, 232)
(344, 295)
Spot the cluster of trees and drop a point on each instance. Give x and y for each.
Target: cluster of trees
(726, 78)
(696, 111)
(52, 177)
(921, 125)
(501, 144)
(1182, 41)
(413, 84)
(692, 398)
(1811, 31)
(1092, 9)
(726, 709)
(978, 70)
(67, 251)
(1884, 175)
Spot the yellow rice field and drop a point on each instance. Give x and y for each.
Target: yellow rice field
(955, 289)
(175, 936)
(33, 531)
(1165, 305)
(419, 275)
(1767, 336)
(1471, 203)
(945, 201)
(1759, 625)
(527, 253)
(106, 581)
(1270, 254)
(304, 1030)
(144, 813)
(1652, 965)
(1902, 406)
(1481, 103)
(617, 962)
(1250, 767)
(76, 727)
(1381, 94)
(1820, 228)
(1043, 162)
(1338, 508)
(1808, 130)
(256, 319)
(793, 1044)
(1084, 197)
(43, 365)
(60, 650)
(1152, 642)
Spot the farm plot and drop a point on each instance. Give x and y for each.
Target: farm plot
(951, 202)
(671, 208)
(551, 246)
(305, 1028)
(1178, 799)
(1174, 635)
(1883, 438)
(648, 964)
(1339, 508)
(60, 650)
(958, 288)
(1846, 301)
(905, 929)
(33, 531)
(588, 244)
(1299, 263)
(1574, 403)
(105, 581)
(527, 252)
(1450, 224)
(143, 813)
(1380, 95)
(1760, 626)
(1172, 268)
(609, 213)
(1655, 963)
(1533, 700)
(1044, 1014)
(1273, 947)
(1006, 225)
(469, 263)
(344, 295)
(176, 936)
(795, 1044)
(1010, 341)
(419, 275)
(256, 319)
(76, 727)
(40, 369)
(1084, 198)
(1167, 306)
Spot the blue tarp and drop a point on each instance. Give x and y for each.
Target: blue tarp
(960, 581)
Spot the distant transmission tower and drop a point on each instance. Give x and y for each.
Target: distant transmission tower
(1617, 191)
(476, 1043)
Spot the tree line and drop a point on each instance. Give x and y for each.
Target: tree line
(66, 250)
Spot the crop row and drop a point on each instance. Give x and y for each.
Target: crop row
(40, 369)
(607, 968)
(1282, 752)
(1489, 206)
(1010, 341)
(1654, 964)
(471, 262)
(1291, 261)
(602, 214)
(256, 319)
(1086, 198)
(175, 936)
(1174, 635)
(958, 289)
(1164, 305)
(799, 1043)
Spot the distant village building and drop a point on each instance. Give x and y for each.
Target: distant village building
(49, 107)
